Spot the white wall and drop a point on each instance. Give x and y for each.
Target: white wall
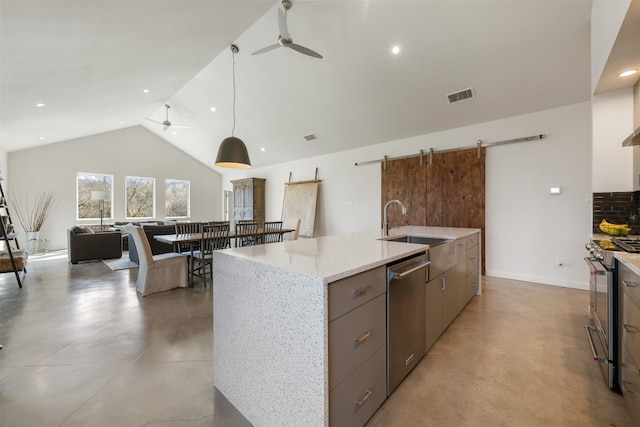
(606, 18)
(4, 168)
(526, 227)
(612, 123)
(128, 152)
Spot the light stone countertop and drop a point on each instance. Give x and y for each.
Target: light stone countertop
(271, 321)
(630, 260)
(335, 257)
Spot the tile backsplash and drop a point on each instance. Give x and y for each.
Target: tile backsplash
(617, 208)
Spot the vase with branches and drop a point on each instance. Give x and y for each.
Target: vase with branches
(33, 215)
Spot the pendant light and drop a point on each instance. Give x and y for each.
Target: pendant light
(232, 152)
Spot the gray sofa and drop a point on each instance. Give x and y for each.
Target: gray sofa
(156, 246)
(86, 245)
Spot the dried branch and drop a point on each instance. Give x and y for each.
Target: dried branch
(33, 218)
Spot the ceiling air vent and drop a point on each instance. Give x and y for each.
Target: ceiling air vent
(310, 137)
(460, 96)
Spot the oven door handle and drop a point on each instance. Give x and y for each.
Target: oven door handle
(592, 268)
(597, 358)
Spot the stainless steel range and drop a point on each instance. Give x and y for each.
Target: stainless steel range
(603, 302)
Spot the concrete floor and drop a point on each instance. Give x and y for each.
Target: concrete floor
(81, 348)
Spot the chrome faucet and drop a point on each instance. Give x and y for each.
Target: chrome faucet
(385, 224)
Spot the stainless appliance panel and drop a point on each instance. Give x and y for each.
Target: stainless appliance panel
(602, 312)
(405, 317)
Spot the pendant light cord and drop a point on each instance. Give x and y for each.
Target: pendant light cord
(233, 71)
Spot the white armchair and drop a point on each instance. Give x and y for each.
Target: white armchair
(158, 273)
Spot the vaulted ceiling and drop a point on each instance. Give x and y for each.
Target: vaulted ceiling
(90, 62)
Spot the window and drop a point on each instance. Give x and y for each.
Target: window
(140, 192)
(176, 198)
(85, 184)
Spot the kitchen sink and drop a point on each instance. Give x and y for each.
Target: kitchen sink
(431, 241)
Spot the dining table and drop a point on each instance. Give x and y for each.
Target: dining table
(191, 239)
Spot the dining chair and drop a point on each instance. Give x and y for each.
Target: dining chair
(214, 237)
(227, 223)
(157, 273)
(270, 232)
(188, 228)
(246, 234)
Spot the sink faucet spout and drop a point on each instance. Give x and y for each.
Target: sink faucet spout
(385, 223)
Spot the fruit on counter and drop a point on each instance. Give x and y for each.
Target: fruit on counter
(614, 229)
(606, 245)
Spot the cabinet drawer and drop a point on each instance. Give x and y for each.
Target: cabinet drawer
(356, 399)
(351, 292)
(472, 259)
(630, 384)
(472, 240)
(471, 285)
(630, 326)
(355, 337)
(630, 284)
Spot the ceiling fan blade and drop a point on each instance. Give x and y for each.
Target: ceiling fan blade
(305, 50)
(154, 121)
(282, 24)
(266, 49)
(181, 126)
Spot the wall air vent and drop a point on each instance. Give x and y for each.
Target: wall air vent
(310, 137)
(462, 95)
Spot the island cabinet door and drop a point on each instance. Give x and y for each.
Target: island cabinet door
(357, 398)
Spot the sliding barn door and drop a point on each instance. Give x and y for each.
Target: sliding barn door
(406, 181)
(447, 190)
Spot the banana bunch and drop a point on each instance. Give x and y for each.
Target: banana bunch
(614, 229)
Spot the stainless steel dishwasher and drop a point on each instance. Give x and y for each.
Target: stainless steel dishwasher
(406, 280)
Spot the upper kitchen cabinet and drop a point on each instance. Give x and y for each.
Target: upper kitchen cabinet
(248, 200)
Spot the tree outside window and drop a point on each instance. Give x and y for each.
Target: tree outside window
(176, 198)
(140, 193)
(85, 184)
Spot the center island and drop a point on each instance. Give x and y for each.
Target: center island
(271, 320)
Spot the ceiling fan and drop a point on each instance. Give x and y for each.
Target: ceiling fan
(284, 38)
(167, 124)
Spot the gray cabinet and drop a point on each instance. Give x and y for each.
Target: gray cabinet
(357, 347)
(449, 292)
(249, 199)
(433, 312)
(629, 343)
(460, 274)
(441, 305)
(472, 264)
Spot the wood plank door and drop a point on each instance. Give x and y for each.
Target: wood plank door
(405, 180)
(448, 191)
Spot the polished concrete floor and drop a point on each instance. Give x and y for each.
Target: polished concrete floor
(82, 349)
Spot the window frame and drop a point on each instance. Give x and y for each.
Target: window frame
(167, 183)
(153, 197)
(108, 208)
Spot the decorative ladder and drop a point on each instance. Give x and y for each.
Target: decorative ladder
(8, 237)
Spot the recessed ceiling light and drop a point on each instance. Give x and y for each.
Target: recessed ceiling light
(263, 149)
(146, 91)
(627, 73)
(42, 137)
(213, 109)
(121, 122)
(40, 104)
(395, 50)
(174, 132)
